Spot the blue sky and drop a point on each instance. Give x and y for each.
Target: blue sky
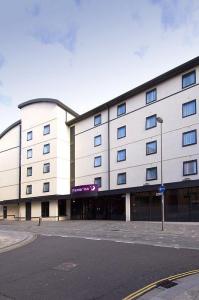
(86, 52)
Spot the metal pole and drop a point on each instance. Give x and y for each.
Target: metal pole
(162, 194)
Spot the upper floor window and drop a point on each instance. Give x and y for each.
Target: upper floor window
(46, 149)
(189, 138)
(121, 132)
(151, 147)
(97, 120)
(121, 178)
(190, 167)
(98, 181)
(29, 153)
(151, 122)
(151, 173)
(29, 189)
(46, 129)
(29, 171)
(121, 109)
(151, 96)
(188, 79)
(97, 140)
(46, 168)
(97, 161)
(121, 155)
(189, 108)
(29, 135)
(46, 187)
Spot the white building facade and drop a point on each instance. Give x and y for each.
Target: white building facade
(116, 146)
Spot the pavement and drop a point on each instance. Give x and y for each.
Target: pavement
(100, 260)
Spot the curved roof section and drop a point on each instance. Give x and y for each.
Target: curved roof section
(9, 128)
(49, 100)
(141, 88)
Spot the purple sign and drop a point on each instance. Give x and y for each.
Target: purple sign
(88, 188)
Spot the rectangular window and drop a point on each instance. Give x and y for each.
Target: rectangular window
(151, 173)
(121, 132)
(97, 120)
(151, 96)
(188, 79)
(151, 122)
(29, 135)
(46, 187)
(46, 149)
(46, 129)
(121, 109)
(190, 167)
(121, 178)
(97, 161)
(46, 168)
(97, 140)
(98, 181)
(29, 171)
(45, 209)
(151, 147)
(29, 153)
(121, 155)
(189, 108)
(28, 189)
(189, 138)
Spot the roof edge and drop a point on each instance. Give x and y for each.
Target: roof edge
(147, 85)
(49, 100)
(10, 128)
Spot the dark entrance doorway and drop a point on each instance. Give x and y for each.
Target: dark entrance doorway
(5, 213)
(28, 211)
(98, 208)
(61, 207)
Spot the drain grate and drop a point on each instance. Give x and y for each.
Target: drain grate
(167, 284)
(66, 266)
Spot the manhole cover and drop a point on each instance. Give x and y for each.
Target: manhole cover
(167, 284)
(66, 266)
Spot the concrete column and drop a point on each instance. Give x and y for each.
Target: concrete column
(128, 206)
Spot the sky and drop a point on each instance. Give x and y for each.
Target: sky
(86, 52)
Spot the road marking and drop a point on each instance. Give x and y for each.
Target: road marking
(153, 285)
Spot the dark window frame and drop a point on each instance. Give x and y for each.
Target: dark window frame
(155, 116)
(98, 178)
(119, 151)
(29, 132)
(190, 161)
(27, 187)
(155, 141)
(98, 116)
(190, 131)
(155, 168)
(99, 135)
(124, 126)
(187, 74)
(46, 184)
(29, 168)
(121, 174)
(189, 102)
(44, 148)
(100, 161)
(31, 153)
(46, 126)
(118, 107)
(44, 167)
(155, 89)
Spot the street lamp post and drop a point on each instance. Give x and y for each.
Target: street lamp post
(160, 120)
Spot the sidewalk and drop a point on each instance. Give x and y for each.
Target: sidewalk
(12, 239)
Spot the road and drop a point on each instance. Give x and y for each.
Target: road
(80, 269)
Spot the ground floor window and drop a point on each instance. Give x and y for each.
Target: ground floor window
(45, 209)
(62, 207)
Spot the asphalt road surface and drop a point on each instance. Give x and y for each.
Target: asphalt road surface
(80, 269)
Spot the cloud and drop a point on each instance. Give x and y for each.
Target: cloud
(66, 39)
(34, 9)
(2, 60)
(5, 100)
(141, 52)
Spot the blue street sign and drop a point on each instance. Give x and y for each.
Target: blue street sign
(162, 189)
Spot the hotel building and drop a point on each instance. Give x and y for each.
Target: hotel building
(116, 146)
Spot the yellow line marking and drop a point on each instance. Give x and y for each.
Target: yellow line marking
(151, 286)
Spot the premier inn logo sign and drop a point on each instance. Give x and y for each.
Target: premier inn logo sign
(88, 188)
